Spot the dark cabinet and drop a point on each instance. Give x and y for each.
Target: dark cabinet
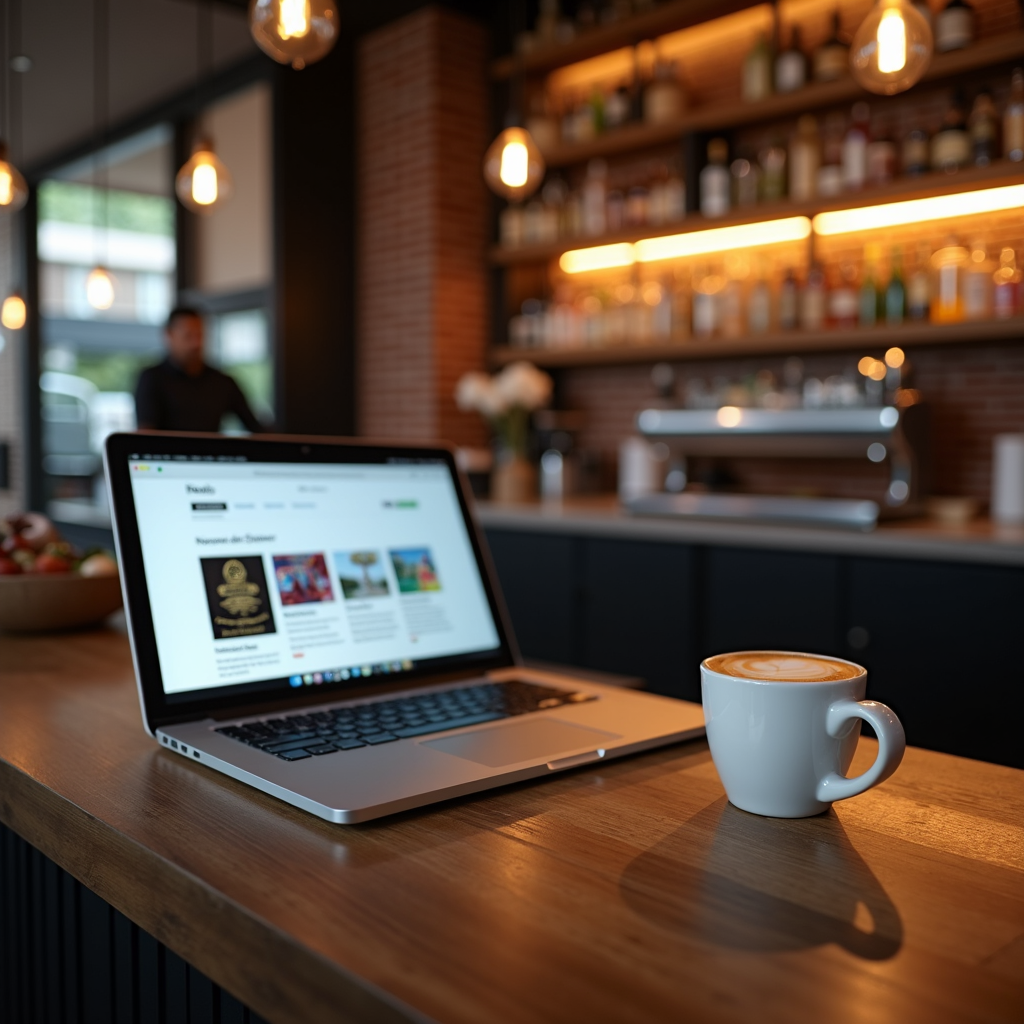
(939, 640)
(779, 600)
(941, 643)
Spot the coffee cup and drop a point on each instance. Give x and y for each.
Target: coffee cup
(783, 727)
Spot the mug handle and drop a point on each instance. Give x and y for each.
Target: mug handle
(892, 742)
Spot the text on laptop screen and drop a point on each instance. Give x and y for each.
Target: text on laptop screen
(283, 573)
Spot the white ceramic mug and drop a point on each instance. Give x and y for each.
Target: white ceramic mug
(782, 748)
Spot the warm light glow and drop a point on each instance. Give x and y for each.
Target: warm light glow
(13, 190)
(874, 368)
(293, 19)
(598, 257)
(895, 358)
(729, 416)
(6, 185)
(918, 211)
(99, 289)
(739, 236)
(515, 165)
(892, 42)
(204, 184)
(13, 313)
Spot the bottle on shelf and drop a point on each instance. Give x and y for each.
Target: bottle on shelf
(867, 313)
(663, 99)
(773, 172)
(895, 292)
(637, 206)
(978, 284)
(954, 26)
(554, 193)
(714, 180)
(789, 302)
(919, 292)
(730, 299)
(759, 303)
(746, 182)
(804, 159)
(757, 71)
(681, 303)
(832, 59)
(983, 126)
(706, 287)
(791, 65)
(855, 148)
(1006, 291)
(830, 174)
(618, 108)
(1013, 118)
(511, 226)
(916, 156)
(813, 300)
(542, 124)
(594, 199)
(615, 211)
(880, 160)
(951, 145)
(947, 296)
(843, 298)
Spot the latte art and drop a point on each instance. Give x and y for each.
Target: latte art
(782, 667)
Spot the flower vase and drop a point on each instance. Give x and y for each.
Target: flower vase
(514, 479)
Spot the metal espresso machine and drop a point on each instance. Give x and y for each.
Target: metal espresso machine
(894, 434)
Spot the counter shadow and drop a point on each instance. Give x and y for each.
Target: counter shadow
(764, 884)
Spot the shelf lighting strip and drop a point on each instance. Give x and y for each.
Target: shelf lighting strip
(791, 229)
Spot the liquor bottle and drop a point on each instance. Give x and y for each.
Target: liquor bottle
(773, 172)
(978, 284)
(954, 27)
(706, 287)
(1013, 119)
(791, 65)
(617, 108)
(663, 99)
(615, 211)
(1006, 285)
(788, 302)
(746, 182)
(947, 297)
(595, 198)
(638, 201)
(832, 58)
(757, 71)
(983, 126)
(895, 292)
(868, 304)
(843, 301)
(916, 152)
(812, 304)
(855, 148)
(714, 181)
(880, 160)
(675, 196)
(919, 287)
(730, 306)
(759, 303)
(830, 174)
(951, 146)
(804, 159)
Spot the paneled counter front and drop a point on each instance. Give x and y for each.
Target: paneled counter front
(934, 613)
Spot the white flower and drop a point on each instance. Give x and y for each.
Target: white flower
(476, 392)
(522, 384)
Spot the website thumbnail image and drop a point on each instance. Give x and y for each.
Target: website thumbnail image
(362, 610)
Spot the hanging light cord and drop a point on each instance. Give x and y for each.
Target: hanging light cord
(100, 97)
(204, 51)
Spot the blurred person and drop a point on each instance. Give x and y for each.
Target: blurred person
(183, 392)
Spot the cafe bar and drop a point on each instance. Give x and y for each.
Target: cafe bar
(511, 512)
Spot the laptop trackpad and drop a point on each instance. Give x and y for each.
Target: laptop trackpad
(524, 741)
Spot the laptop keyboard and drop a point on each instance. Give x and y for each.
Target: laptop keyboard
(294, 737)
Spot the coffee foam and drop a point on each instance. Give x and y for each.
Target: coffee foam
(782, 667)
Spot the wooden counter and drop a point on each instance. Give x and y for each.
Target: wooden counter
(628, 892)
(980, 541)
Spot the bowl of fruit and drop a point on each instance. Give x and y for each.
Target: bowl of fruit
(47, 583)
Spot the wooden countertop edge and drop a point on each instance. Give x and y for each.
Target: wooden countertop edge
(262, 966)
(883, 542)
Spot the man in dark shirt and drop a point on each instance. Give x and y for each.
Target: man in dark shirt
(182, 392)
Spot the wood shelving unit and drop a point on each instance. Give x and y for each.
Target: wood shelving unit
(872, 340)
(1003, 172)
(816, 96)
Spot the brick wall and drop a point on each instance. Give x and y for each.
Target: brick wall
(422, 320)
(974, 393)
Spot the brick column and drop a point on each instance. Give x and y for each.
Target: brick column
(422, 277)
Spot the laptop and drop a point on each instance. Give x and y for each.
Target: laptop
(320, 619)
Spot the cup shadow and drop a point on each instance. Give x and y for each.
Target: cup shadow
(764, 884)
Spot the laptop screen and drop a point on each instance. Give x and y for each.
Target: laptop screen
(286, 576)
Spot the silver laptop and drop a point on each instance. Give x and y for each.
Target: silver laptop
(320, 619)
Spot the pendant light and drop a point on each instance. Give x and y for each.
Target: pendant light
(203, 183)
(296, 32)
(513, 164)
(100, 283)
(892, 48)
(13, 190)
(14, 312)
